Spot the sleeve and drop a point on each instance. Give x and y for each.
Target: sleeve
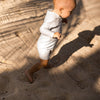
(44, 29)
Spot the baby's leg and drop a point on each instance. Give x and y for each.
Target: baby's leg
(35, 68)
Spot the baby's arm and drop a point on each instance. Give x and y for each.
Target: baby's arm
(44, 29)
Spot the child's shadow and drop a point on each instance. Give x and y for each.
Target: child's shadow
(84, 39)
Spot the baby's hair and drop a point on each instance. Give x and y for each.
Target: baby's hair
(57, 3)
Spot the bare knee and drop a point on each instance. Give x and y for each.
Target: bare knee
(44, 63)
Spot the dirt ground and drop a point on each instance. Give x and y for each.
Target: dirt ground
(75, 72)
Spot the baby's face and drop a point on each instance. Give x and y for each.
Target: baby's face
(65, 12)
(64, 7)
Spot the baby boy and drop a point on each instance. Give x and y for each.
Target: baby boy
(51, 30)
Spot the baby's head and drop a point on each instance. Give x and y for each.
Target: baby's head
(64, 7)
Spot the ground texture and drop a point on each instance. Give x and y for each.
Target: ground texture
(75, 72)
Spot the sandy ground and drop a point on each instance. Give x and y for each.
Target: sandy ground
(75, 73)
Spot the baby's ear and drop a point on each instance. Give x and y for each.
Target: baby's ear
(61, 9)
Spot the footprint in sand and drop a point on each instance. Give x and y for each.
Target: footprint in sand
(22, 77)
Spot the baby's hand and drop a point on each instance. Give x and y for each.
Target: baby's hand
(57, 35)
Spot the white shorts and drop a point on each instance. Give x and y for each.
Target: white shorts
(45, 45)
(44, 54)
